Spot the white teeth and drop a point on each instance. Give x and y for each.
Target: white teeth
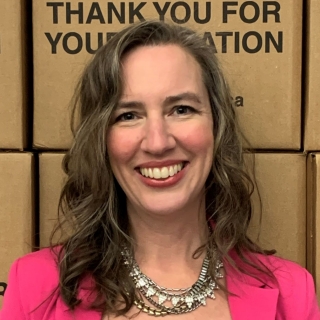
(150, 173)
(161, 173)
(156, 173)
(164, 173)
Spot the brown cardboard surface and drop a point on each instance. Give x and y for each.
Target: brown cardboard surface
(281, 179)
(16, 210)
(50, 184)
(312, 124)
(12, 103)
(313, 214)
(266, 84)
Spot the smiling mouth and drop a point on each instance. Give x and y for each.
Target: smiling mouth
(162, 172)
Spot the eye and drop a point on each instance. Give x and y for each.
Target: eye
(181, 110)
(127, 116)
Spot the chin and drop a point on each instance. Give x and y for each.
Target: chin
(165, 206)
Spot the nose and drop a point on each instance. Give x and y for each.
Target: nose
(157, 137)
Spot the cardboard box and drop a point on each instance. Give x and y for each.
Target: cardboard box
(16, 210)
(313, 217)
(258, 42)
(312, 120)
(50, 184)
(12, 75)
(281, 179)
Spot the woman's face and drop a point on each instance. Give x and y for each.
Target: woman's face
(160, 144)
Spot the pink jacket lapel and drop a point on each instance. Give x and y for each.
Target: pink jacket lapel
(80, 313)
(251, 302)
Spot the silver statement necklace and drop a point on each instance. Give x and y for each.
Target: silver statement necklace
(167, 301)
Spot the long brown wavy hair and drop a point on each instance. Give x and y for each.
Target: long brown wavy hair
(93, 203)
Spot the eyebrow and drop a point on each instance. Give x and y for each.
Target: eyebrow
(188, 96)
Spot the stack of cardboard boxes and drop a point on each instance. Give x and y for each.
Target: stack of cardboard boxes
(312, 137)
(260, 46)
(16, 166)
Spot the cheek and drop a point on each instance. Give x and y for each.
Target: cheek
(200, 139)
(121, 146)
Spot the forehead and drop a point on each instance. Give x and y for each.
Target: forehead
(163, 69)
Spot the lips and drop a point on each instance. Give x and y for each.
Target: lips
(163, 182)
(162, 172)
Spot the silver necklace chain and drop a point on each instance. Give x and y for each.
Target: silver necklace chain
(174, 300)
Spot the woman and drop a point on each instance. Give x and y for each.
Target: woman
(157, 198)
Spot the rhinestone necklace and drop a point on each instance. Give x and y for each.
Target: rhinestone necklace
(172, 300)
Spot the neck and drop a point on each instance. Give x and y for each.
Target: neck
(170, 239)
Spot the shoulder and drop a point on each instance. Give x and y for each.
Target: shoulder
(41, 264)
(284, 272)
(295, 285)
(284, 291)
(280, 265)
(39, 271)
(33, 282)
(287, 273)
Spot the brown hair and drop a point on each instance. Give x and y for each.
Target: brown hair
(93, 202)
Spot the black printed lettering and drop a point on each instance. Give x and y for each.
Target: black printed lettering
(245, 38)
(136, 12)
(3, 287)
(120, 15)
(250, 42)
(55, 6)
(238, 101)
(256, 12)
(226, 11)
(207, 18)
(236, 42)
(274, 11)
(173, 12)
(89, 44)
(207, 37)
(277, 44)
(78, 39)
(95, 13)
(53, 42)
(78, 12)
(224, 36)
(162, 11)
(266, 10)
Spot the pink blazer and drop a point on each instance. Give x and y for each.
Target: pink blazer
(35, 276)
